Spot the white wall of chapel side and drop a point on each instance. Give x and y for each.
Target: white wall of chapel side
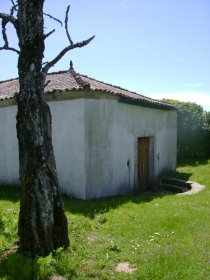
(111, 132)
(9, 163)
(93, 140)
(68, 142)
(69, 145)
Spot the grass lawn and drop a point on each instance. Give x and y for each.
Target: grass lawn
(161, 237)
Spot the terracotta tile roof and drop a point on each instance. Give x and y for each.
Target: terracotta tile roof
(64, 81)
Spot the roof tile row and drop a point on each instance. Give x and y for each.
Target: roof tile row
(70, 80)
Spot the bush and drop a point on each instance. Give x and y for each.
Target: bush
(193, 130)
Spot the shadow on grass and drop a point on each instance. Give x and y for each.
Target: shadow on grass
(85, 207)
(90, 208)
(77, 206)
(10, 193)
(180, 175)
(192, 162)
(15, 266)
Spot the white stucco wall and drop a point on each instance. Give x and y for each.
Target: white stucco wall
(9, 166)
(93, 140)
(68, 142)
(111, 141)
(69, 145)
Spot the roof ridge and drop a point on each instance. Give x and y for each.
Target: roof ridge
(58, 72)
(80, 81)
(129, 91)
(118, 87)
(51, 73)
(84, 82)
(9, 80)
(76, 75)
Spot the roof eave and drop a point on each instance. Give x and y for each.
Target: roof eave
(139, 102)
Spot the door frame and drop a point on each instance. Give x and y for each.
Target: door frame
(151, 163)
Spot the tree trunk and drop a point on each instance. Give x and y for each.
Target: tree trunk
(42, 222)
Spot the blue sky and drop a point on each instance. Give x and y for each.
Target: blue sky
(159, 48)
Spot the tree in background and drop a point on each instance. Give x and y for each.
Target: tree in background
(42, 222)
(206, 121)
(193, 130)
(206, 132)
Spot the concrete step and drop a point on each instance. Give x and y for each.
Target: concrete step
(173, 188)
(176, 182)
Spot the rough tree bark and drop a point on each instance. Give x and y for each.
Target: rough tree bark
(42, 222)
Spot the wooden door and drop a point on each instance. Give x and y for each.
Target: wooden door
(143, 164)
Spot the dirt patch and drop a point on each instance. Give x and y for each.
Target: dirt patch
(92, 238)
(57, 277)
(90, 262)
(125, 267)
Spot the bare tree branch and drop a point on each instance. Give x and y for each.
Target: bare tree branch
(47, 83)
(13, 3)
(4, 34)
(5, 20)
(9, 49)
(66, 25)
(53, 18)
(48, 34)
(9, 18)
(14, 8)
(50, 64)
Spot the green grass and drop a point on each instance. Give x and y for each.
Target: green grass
(163, 237)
